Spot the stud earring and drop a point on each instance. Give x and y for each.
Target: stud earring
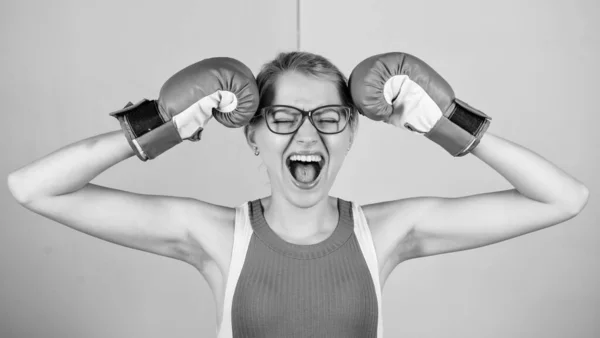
(256, 151)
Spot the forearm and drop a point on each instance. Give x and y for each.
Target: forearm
(69, 168)
(530, 174)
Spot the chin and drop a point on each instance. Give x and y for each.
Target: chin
(306, 199)
(303, 197)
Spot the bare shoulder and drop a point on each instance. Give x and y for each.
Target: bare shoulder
(210, 231)
(392, 223)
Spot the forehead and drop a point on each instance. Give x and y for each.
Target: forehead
(305, 91)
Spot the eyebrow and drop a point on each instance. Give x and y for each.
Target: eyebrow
(303, 108)
(307, 110)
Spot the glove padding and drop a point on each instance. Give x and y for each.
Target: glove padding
(220, 87)
(402, 90)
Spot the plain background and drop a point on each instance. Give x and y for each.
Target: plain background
(531, 65)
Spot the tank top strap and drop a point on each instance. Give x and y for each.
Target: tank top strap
(367, 246)
(241, 239)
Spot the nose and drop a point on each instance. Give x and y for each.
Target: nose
(307, 134)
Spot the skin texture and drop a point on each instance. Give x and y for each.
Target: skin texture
(307, 212)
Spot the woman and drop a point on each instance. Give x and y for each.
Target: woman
(299, 262)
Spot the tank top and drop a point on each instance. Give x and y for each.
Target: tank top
(277, 289)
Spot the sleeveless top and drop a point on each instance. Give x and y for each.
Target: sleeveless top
(277, 289)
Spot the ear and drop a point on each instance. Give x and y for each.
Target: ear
(354, 130)
(250, 133)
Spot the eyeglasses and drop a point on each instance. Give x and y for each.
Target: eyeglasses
(285, 120)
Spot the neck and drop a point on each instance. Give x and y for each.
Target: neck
(297, 222)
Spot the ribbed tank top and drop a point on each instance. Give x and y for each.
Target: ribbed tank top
(280, 289)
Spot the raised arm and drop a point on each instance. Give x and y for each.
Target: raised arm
(543, 195)
(404, 91)
(57, 187)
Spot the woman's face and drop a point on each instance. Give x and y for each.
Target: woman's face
(302, 183)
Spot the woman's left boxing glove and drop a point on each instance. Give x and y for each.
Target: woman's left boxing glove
(221, 87)
(404, 91)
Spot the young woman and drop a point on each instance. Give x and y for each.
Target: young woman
(300, 262)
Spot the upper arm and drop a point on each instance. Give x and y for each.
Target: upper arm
(455, 224)
(176, 227)
(426, 226)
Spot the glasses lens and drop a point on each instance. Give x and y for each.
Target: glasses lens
(331, 120)
(282, 119)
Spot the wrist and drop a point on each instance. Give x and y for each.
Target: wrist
(145, 129)
(460, 129)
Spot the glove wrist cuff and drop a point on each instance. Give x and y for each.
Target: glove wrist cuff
(460, 129)
(160, 139)
(146, 131)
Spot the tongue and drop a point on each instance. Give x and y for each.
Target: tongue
(305, 172)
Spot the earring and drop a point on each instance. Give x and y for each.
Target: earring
(256, 151)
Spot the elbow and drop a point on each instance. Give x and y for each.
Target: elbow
(578, 202)
(585, 197)
(16, 188)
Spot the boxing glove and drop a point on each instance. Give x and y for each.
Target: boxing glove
(404, 91)
(220, 87)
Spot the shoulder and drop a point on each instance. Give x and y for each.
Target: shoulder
(210, 229)
(392, 223)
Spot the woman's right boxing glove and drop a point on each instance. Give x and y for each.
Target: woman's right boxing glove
(221, 87)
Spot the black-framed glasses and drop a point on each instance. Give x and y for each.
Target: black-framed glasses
(284, 120)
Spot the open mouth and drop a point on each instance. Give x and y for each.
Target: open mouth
(305, 168)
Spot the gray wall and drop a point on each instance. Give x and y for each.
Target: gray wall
(531, 65)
